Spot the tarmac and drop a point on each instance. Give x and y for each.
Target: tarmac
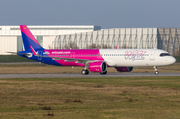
(93, 75)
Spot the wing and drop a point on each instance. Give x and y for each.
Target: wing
(84, 61)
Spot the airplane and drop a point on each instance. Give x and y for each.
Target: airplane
(94, 60)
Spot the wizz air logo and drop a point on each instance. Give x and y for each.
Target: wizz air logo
(134, 55)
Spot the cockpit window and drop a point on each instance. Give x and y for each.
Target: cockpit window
(164, 54)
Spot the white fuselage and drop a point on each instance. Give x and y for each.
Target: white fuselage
(136, 57)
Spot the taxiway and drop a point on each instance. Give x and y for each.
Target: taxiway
(66, 75)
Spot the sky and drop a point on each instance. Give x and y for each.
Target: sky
(104, 13)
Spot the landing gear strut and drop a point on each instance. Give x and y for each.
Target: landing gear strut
(85, 72)
(156, 72)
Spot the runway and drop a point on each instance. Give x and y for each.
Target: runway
(90, 75)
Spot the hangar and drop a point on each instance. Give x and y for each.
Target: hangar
(134, 38)
(11, 41)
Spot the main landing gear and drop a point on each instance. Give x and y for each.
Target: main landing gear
(85, 72)
(156, 72)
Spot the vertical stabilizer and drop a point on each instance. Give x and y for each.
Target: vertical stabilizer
(28, 39)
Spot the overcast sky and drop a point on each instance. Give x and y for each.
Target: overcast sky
(104, 13)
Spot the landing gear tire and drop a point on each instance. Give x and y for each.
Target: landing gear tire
(103, 73)
(85, 72)
(156, 72)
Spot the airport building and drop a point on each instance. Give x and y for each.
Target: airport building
(83, 37)
(123, 38)
(11, 40)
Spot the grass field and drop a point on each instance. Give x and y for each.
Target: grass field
(90, 98)
(13, 58)
(177, 58)
(41, 68)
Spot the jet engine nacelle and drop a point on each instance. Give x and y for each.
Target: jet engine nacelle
(124, 69)
(97, 66)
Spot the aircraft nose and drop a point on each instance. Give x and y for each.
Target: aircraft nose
(172, 60)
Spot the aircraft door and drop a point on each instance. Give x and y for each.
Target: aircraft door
(72, 54)
(152, 55)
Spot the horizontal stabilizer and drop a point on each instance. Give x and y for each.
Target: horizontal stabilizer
(16, 53)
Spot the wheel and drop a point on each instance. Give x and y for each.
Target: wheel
(85, 72)
(103, 73)
(156, 72)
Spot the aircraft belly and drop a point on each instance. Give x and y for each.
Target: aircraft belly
(111, 62)
(132, 63)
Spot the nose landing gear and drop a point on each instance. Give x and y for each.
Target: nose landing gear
(156, 72)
